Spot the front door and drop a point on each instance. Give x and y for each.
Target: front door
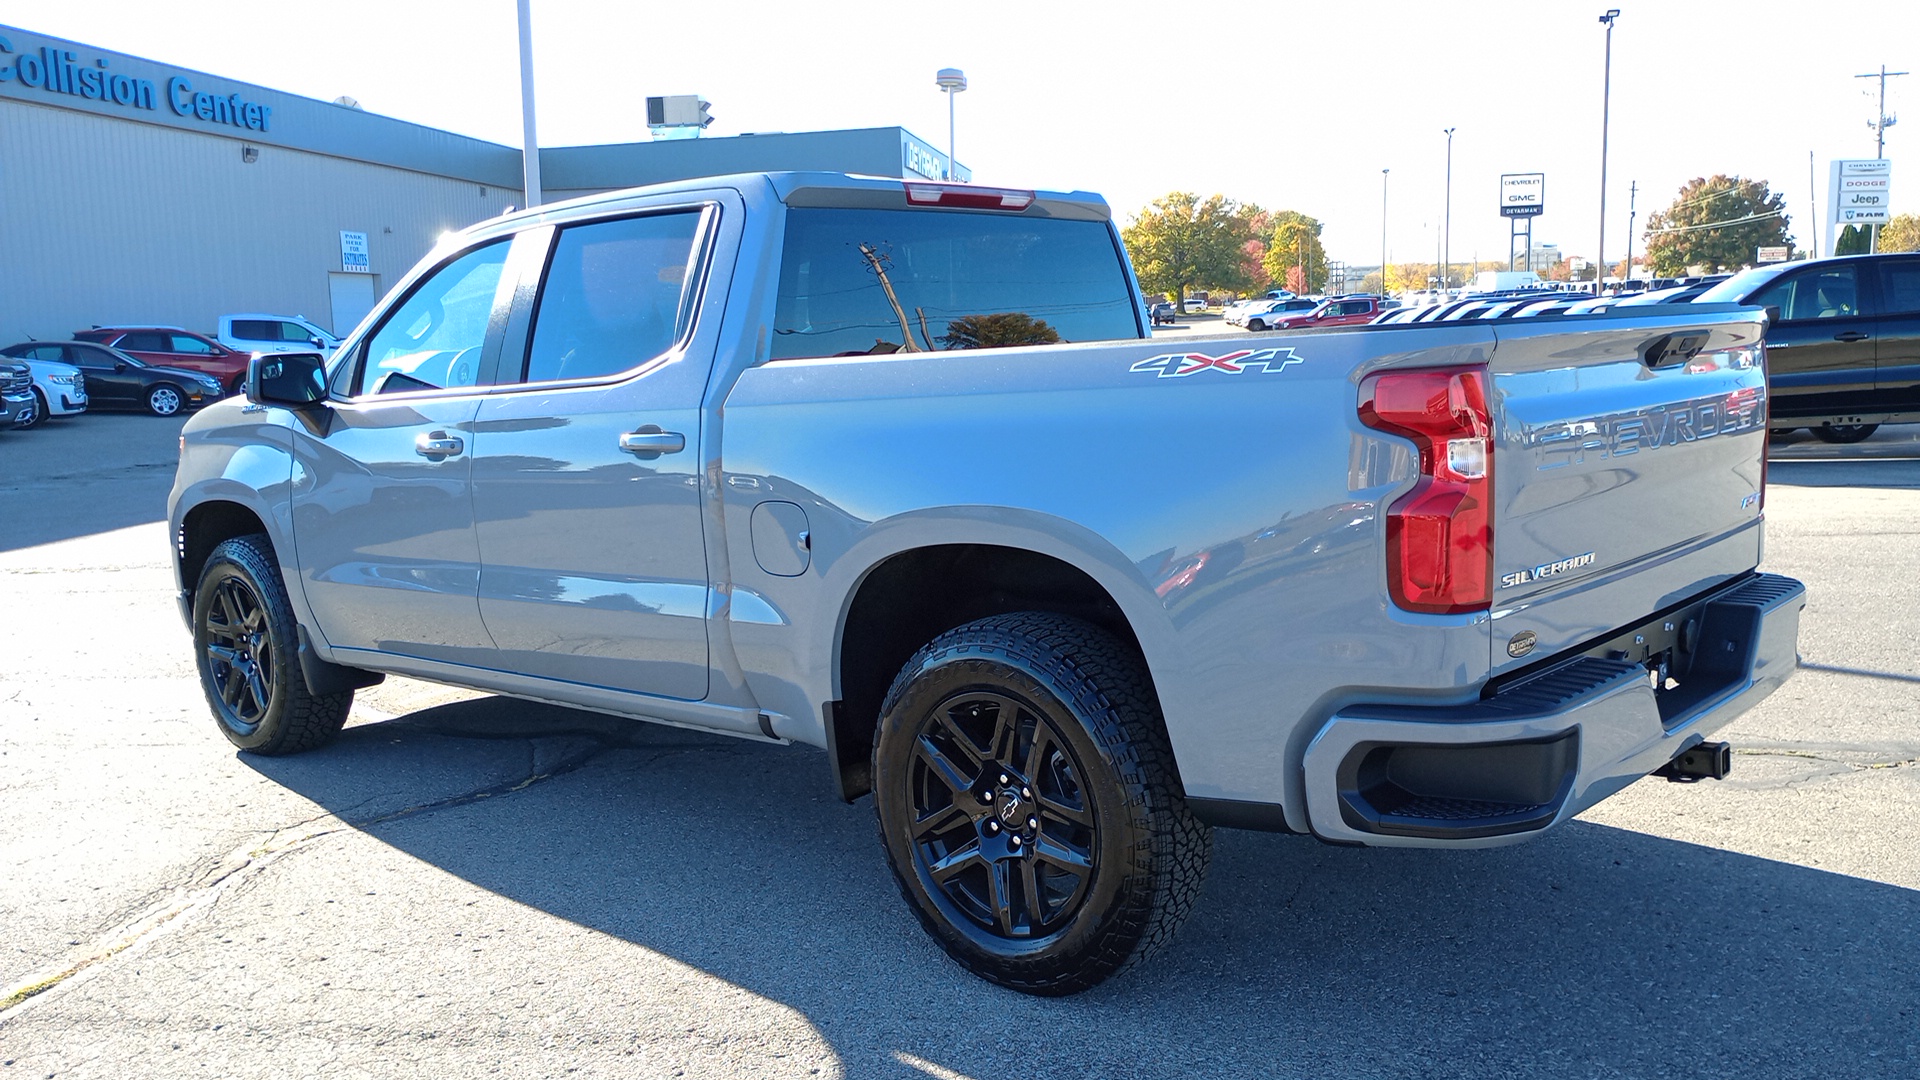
(1897, 358)
(382, 501)
(1820, 349)
(587, 473)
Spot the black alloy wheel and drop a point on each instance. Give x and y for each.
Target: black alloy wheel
(165, 400)
(1029, 804)
(246, 644)
(1844, 433)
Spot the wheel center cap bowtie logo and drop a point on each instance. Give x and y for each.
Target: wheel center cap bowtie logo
(1010, 808)
(1180, 365)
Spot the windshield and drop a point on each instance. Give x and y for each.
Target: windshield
(1735, 289)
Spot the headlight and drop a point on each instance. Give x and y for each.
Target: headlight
(63, 380)
(211, 384)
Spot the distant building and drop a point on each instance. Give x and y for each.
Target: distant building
(135, 191)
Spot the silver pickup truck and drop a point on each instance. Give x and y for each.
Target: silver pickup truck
(897, 470)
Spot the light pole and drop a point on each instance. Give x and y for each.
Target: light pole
(951, 81)
(1606, 97)
(1446, 243)
(1383, 234)
(529, 146)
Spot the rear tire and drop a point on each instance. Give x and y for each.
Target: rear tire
(1029, 804)
(247, 644)
(1256, 324)
(1843, 433)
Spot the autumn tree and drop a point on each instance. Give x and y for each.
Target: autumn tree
(1294, 253)
(1004, 330)
(1713, 223)
(1901, 233)
(1183, 241)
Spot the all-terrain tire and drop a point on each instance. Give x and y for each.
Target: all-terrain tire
(1029, 803)
(246, 644)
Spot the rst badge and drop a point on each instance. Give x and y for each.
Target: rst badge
(1180, 365)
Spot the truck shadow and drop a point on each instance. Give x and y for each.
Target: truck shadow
(1595, 951)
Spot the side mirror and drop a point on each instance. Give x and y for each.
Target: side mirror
(292, 379)
(1773, 314)
(119, 365)
(316, 343)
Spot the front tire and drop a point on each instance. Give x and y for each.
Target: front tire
(1029, 804)
(1844, 433)
(165, 400)
(246, 643)
(1257, 324)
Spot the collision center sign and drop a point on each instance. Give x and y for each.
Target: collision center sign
(1523, 194)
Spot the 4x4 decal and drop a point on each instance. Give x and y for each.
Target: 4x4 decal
(1179, 365)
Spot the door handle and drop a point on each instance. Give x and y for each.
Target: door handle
(1851, 335)
(437, 444)
(650, 441)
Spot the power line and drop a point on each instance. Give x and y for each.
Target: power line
(1717, 224)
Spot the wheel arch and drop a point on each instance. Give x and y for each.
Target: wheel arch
(911, 596)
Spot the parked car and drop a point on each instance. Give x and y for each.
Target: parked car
(1843, 347)
(1266, 315)
(960, 576)
(1193, 304)
(59, 388)
(170, 346)
(17, 408)
(273, 333)
(1340, 311)
(1161, 314)
(115, 380)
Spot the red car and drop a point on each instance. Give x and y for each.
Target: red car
(1339, 311)
(170, 346)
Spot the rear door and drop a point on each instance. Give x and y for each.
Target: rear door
(1897, 356)
(1622, 486)
(587, 466)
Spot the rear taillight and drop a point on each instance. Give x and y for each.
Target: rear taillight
(1440, 534)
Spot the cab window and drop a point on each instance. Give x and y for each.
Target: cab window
(612, 296)
(434, 339)
(1831, 293)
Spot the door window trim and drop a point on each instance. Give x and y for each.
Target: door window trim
(347, 376)
(512, 366)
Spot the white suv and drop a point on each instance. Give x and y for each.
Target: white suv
(273, 333)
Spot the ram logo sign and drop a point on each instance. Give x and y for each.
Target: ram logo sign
(1180, 365)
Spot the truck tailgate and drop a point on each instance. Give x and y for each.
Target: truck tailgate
(1628, 468)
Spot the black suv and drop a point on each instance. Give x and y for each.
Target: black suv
(1843, 347)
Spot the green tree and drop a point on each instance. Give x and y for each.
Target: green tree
(1901, 233)
(1183, 241)
(1294, 251)
(1007, 329)
(1854, 240)
(1714, 223)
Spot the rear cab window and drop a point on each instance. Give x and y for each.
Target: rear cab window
(859, 281)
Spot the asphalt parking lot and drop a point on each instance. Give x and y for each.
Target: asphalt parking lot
(467, 886)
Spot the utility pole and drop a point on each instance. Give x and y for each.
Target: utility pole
(1880, 125)
(1383, 234)
(529, 145)
(1813, 208)
(1446, 242)
(1633, 198)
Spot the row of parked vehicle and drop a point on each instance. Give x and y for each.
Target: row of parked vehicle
(161, 370)
(1843, 334)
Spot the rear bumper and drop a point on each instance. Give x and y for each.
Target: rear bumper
(1556, 740)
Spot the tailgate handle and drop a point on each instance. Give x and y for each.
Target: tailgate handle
(1673, 348)
(1851, 335)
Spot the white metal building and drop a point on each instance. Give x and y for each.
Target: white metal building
(132, 191)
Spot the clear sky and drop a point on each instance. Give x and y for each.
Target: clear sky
(1288, 105)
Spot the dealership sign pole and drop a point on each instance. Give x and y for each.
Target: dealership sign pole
(1522, 195)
